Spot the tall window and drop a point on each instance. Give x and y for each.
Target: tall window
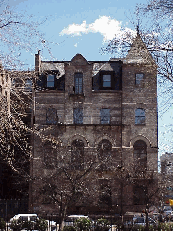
(50, 81)
(139, 116)
(140, 155)
(51, 116)
(105, 116)
(50, 155)
(78, 82)
(139, 78)
(78, 116)
(77, 154)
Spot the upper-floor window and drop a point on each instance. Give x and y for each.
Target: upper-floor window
(105, 116)
(139, 116)
(50, 81)
(51, 116)
(78, 116)
(139, 77)
(28, 85)
(78, 83)
(106, 81)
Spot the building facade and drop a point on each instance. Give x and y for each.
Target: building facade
(101, 114)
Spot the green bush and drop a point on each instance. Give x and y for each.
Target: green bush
(83, 224)
(16, 225)
(69, 228)
(29, 225)
(102, 225)
(41, 224)
(2, 224)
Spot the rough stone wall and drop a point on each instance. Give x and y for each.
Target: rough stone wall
(121, 132)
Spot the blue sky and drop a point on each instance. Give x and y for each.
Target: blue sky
(78, 26)
(84, 26)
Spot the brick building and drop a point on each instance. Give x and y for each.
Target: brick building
(104, 111)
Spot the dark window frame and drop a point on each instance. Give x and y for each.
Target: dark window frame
(78, 83)
(77, 155)
(140, 116)
(50, 81)
(112, 74)
(103, 119)
(78, 115)
(140, 155)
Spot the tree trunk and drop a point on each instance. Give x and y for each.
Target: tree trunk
(62, 216)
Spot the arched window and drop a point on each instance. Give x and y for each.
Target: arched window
(77, 154)
(104, 149)
(140, 154)
(139, 116)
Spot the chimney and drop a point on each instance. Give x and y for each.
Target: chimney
(37, 61)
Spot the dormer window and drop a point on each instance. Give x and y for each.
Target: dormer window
(78, 83)
(51, 81)
(106, 81)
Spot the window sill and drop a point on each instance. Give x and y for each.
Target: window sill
(140, 124)
(106, 91)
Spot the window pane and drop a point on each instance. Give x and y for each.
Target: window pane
(78, 115)
(105, 116)
(50, 81)
(139, 77)
(139, 116)
(78, 79)
(106, 80)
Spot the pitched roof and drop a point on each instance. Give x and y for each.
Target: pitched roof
(138, 53)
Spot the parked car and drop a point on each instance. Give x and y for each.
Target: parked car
(69, 221)
(24, 217)
(167, 210)
(141, 221)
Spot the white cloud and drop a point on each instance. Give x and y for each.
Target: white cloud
(107, 27)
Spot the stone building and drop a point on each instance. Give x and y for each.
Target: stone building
(102, 113)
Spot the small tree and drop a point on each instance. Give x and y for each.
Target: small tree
(83, 224)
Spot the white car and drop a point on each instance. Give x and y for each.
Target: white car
(72, 218)
(24, 217)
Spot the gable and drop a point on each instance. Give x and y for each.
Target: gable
(139, 54)
(78, 59)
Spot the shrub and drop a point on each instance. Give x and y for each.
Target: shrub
(41, 224)
(83, 224)
(102, 225)
(29, 225)
(69, 228)
(16, 225)
(2, 224)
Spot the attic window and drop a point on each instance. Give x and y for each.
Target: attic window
(50, 81)
(106, 80)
